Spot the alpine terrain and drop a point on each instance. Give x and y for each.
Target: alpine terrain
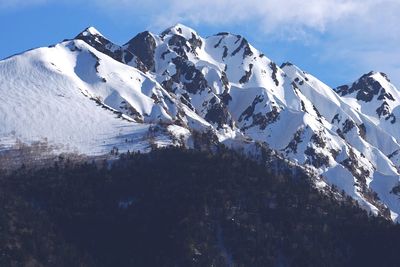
(91, 96)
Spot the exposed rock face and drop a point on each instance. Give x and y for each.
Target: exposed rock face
(244, 45)
(191, 78)
(274, 68)
(247, 75)
(366, 89)
(143, 46)
(378, 97)
(100, 43)
(218, 113)
(95, 39)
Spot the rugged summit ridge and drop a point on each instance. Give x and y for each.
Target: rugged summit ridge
(163, 89)
(95, 39)
(372, 90)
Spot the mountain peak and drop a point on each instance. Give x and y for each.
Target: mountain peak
(374, 75)
(90, 31)
(180, 29)
(368, 86)
(93, 37)
(378, 75)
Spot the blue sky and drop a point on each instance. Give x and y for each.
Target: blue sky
(335, 40)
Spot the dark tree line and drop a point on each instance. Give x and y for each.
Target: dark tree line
(177, 207)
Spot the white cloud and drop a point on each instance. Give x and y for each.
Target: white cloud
(270, 15)
(294, 18)
(364, 31)
(368, 40)
(360, 34)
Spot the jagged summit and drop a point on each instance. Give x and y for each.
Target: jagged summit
(165, 89)
(89, 31)
(92, 30)
(377, 74)
(92, 36)
(180, 29)
(371, 89)
(95, 39)
(366, 86)
(376, 97)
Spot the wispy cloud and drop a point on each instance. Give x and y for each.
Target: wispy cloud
(295, 17)
(362, 34)
(363, 31)
(359, 33)
(270, 15)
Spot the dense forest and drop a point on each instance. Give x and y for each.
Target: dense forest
(178, 207)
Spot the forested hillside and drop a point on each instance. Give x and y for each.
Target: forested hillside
(178, 207)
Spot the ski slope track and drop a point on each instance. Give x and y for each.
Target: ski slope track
(90, 96)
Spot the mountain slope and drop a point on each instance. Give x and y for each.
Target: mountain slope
(71, 94)
(93, 95)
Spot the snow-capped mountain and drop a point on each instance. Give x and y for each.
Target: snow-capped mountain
(90, 95)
